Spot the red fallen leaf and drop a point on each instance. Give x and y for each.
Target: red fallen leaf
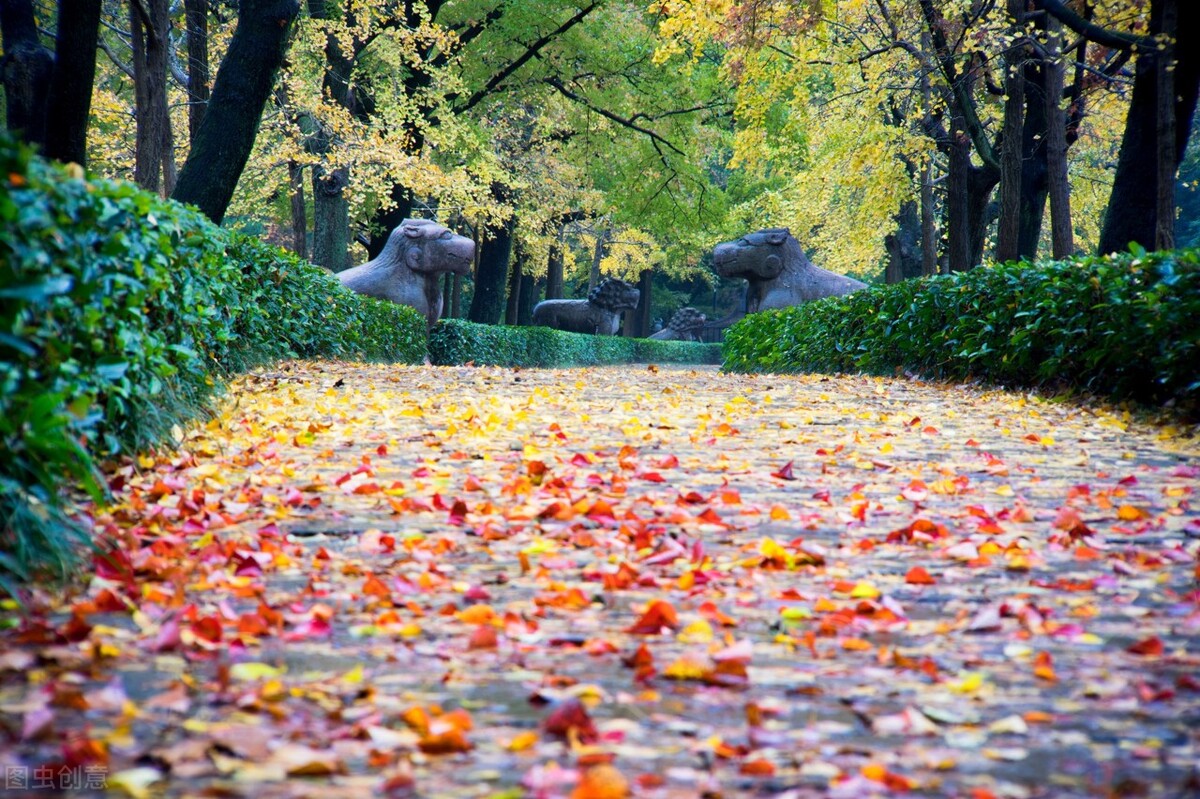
(757, 768)
(458, 512)
(571, 715)
(658, 614)
(76, 629)
(208, 628)
(652, 477)
(472, 484)
(668, 462)
(1148, 647)
(918, 576)
(641, 658)
(313, 628)
(79, 750)
(114, 565)
(1043, 667)
(710, 611)
(375, 587)
(784, 472)
(916, 491)
(381, 450)
(484, 637)
(650, 780)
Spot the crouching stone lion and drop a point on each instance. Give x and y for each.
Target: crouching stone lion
(599, 314)
(409, 270)
(684, 326)
(779, 272)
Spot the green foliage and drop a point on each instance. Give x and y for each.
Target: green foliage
(120, 313)
(456, 342)
(1124, 325)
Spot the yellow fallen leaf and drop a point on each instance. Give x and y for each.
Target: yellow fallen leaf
(248, 672)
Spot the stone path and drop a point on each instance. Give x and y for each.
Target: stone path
(369, 580)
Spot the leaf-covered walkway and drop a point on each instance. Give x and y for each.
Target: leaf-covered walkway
(369, 580)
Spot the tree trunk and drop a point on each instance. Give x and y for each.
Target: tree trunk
(70, 99)
(1009, 230)
(1062, 240)
(196, 19)
(957, 198)
(528, 298)
(597, 256)
(149, 26)
(331, 219)
(1132, 213)
(514, 290)
(243, 85)
(27, 68)
(1165, 150)
(456, 298)
(929, 234)
(299, 209)
(981, 181)
(487, 305)
(554, 271)
(903, 245)
(642, 317)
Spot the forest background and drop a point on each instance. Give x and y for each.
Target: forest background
(573, 140)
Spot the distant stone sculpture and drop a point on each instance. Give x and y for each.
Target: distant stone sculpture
(599, 314)
(409, 270)
(779, 272)
(684, 326)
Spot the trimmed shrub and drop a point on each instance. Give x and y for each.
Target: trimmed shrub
(120, 315)
(1126, 326)
(454, 342)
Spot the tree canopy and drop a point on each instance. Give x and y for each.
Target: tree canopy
(575, 139)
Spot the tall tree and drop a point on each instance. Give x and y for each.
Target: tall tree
(243, 85)
(71, 85)
(1166, 84)
(196, 19)
(48, 94)
(149, 22)
(28, 67)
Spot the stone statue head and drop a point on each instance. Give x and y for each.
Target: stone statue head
(755, 256)
(427, 248)
(687, 320)
(613, 294)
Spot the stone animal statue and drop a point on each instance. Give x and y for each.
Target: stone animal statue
(409, 269)
(599, 314)
(684, 326)
(779, 272)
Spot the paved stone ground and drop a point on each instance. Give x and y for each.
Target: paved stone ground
(645, 581)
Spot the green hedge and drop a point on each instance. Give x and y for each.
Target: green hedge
(120, 315)
(1125, 325)
(455, 342)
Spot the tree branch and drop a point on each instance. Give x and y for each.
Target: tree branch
(570, 95)
(531, 51)
(1096, 33)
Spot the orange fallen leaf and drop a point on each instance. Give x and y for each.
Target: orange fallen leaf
(918, 576)
(601, 782)
(757, 768)
(658, 614)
